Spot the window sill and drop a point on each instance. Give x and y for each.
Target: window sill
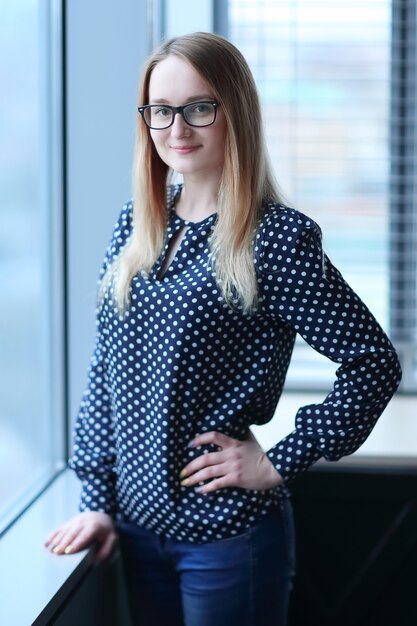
(34, 582)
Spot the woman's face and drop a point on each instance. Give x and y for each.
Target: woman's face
(190, 150)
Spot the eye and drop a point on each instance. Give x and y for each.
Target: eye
(201, 108)
(161, 111)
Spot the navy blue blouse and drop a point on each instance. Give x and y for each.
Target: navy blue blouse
(183, 362)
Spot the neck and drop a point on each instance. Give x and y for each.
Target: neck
(198, 198)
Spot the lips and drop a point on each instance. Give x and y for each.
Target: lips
(184, 149)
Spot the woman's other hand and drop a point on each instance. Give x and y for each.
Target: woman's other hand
(80, 531)
(236, 464)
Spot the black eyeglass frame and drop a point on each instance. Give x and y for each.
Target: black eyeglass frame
(179, 110)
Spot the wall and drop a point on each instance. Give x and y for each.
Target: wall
(106, 44)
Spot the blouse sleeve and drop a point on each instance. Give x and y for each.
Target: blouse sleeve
(94, 455)
(301, 286)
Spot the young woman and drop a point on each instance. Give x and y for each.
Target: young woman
(203, 289)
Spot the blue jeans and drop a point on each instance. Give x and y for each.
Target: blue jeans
(244, 580)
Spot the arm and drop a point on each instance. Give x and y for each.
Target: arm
(312, 297)
(94, 450)
(92, 460)
(93, 454)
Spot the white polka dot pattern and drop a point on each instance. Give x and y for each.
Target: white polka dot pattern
(182, 362)
(299, 284)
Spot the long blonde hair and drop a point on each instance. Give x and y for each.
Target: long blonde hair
(246, 182)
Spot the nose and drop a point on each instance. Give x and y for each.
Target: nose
(179, 127)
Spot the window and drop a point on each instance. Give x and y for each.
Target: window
(337, 83)
(31, 330)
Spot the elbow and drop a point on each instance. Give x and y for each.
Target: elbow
(395, 370)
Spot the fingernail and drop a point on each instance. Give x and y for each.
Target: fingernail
(68, 550)
(199, 489)
(182, 473)
(191, 444)
(184, 482)
(55, 549)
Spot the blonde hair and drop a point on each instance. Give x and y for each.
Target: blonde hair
(246, 182)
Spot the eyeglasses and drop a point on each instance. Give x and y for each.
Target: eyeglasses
(161, 116)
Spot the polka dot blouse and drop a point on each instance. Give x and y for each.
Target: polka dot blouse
(183, 362)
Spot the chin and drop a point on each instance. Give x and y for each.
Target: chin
(186, 168)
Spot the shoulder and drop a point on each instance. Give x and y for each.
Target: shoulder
(284, 235)
(279, 219)
(124, 224)
(124, 221)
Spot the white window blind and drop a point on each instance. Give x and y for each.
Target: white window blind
(403, 199)
(337, 83)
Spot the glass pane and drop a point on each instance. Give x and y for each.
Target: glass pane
(27, 454)
(323, 72)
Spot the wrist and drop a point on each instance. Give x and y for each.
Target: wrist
(274, 477)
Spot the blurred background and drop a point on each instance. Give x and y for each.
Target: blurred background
(337, 83)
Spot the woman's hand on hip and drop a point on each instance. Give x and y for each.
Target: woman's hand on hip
(82, 530)
(236, 464)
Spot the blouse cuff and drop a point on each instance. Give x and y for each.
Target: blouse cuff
(293, 455)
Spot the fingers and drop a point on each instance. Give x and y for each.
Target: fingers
(240, 464)
(215, 465)
(211, 458)
(75, 541)
(55, 539)
(51, 539)
(81, 531)
(219, 439)
(212, 471)
(217, 483)
(67, 540)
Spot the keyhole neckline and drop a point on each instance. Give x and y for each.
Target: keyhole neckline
(180, 220)
(189, 223)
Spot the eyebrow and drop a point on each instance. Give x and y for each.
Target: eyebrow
(197, 98)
